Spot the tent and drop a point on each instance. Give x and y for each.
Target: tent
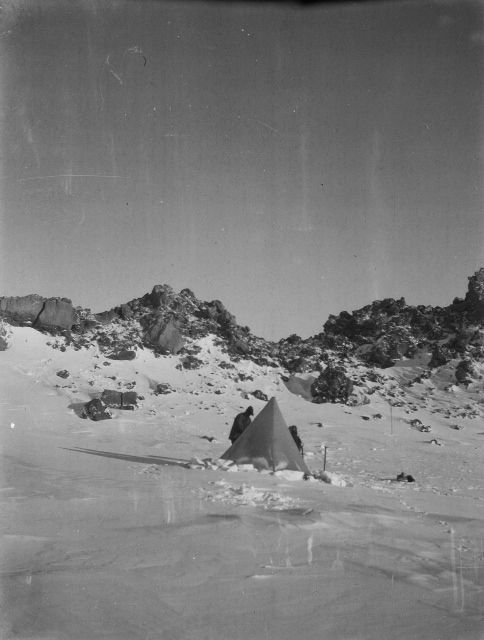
(267, 443)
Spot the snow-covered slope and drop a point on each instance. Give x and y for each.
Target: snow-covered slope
(108, 533)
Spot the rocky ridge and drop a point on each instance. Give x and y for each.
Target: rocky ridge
(347, 360)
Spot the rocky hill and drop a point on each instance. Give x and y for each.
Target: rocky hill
(343, 363)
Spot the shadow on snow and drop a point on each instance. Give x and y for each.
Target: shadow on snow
(123, 456)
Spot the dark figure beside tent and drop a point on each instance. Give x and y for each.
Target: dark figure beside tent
(296, 438)
(241, 422)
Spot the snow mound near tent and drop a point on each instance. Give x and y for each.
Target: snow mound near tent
(245, 495)
(220, 464)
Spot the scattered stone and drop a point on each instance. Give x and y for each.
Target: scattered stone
(189, 362)
(63, 374)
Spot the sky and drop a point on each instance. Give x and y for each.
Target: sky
(291, 161)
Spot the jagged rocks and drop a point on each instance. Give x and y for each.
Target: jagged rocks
(332, 385)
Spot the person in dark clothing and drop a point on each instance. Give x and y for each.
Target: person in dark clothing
(241, 422)
(296, 438)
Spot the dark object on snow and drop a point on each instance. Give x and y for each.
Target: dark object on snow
(209, 438)
(241, 422)
(365, 417)
(124, 354)
(112, 398)
(403, 477)
(96, 410)
(119, 400)
(434, 441)
(260, 395)
(163, 388)
(296, 438)
(63, 374)
(416, 423)
(425, 428)
(129, 400)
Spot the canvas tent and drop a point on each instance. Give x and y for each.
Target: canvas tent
(267, 443)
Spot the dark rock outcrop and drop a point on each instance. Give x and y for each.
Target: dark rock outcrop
(21, 309)
(332, 385)
(96, 410)
(465, 371)
(42, 313)
(56, 313)
(474, 299)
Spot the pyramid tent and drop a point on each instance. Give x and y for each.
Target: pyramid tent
(267, 443)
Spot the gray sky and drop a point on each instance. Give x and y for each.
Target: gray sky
(292, 162)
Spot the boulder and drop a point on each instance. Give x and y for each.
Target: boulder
(57, 313)
(96, 410)
(166, 336)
